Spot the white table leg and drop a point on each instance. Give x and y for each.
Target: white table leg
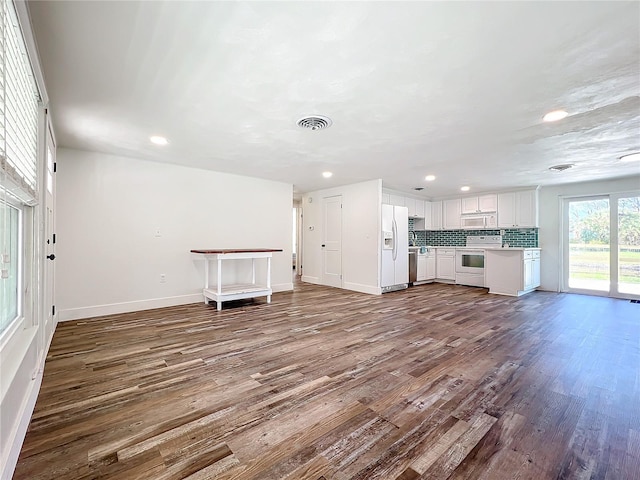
(269, 278)
(206, 279)
(219, 302)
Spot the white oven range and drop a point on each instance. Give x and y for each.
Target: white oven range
(470, 259)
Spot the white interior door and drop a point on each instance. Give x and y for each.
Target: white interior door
(50, 238)
(332, 242)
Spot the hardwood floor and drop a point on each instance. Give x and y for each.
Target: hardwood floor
(434, 382)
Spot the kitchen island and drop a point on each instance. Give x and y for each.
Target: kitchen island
(236, 291)
(512, 271)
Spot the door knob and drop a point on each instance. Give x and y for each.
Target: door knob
(51, 257)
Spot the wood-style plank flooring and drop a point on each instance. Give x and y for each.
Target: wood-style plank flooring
(437, 382)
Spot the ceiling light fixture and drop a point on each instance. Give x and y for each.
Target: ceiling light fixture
(430, 178)
(327, 174)
(561, 168)
(554, 116)
(315, 122)
(465, 188)
(158, 140)
(631, 157)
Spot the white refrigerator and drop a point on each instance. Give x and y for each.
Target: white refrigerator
(395, 248)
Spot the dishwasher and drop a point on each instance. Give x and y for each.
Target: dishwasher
(413, 265)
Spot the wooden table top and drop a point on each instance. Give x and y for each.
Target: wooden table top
(212, 251)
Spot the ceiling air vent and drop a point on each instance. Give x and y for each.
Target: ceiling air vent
(561, 168)
(315, 122)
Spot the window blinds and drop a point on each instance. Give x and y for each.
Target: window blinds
(18, 110)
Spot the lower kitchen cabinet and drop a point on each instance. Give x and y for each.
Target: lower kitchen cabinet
(446, 264)
(512, 271)
(426, 267)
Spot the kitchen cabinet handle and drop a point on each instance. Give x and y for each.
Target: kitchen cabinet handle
(51, 257)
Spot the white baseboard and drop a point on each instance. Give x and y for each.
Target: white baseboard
(65, 315)
(114, 308)
(358, 287)
(309, 279)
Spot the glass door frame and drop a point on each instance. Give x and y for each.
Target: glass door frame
(613, 245)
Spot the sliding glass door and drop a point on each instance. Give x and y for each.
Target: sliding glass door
(628, 263)
(602, 245)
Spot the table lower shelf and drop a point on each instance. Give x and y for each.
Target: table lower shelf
(237, 291)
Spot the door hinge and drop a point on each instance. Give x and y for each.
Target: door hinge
(54, 238)
(55, 167)
(53, 310)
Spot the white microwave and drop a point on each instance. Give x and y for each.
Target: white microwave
(485, 221)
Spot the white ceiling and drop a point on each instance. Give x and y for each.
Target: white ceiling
(454, 89)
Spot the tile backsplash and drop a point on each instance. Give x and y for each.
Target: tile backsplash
(515, 237)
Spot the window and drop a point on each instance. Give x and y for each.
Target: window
(19, 106)
(10, 264)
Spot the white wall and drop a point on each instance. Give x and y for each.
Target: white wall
(109, 259)
(360, 235)
(550, 204)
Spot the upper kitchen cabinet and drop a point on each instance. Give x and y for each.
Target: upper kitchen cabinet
(396, 200)
(480, 204)
(410, 203)
(451, 214)
(420, 213)
(433, 219)
(518, 209)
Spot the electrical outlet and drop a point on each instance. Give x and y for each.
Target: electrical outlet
(4, 273)
(163, 278)
(6, 258)
(501, 232)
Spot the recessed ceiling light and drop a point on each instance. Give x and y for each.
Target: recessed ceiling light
(555, 116)
(327, 174)
(465, 188)
(632, 157)
(561, 168)
(158, 140)
(430, 178)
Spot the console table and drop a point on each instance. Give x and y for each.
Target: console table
(221, 292)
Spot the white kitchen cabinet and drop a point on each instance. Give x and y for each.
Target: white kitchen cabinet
(426, 266)
(415, 207)
(431, 266)
(481, 204)
(421, 275)
(445, 264)
(518, 209)
(451, 214)
(436, 216)
(410, 203)
(397, 200)
(512, 271)
(428, 214)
